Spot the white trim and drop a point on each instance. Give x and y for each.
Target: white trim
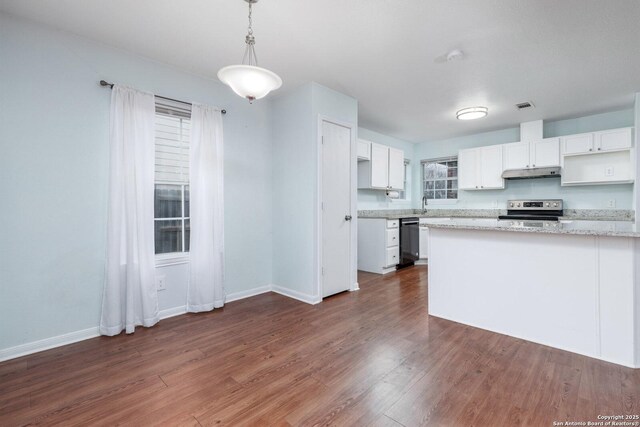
(355, 287)
(309, 299)
(85, 334)
(172, 312)
(165, 260)
(354, 207)
(48, 343)
(248, 293)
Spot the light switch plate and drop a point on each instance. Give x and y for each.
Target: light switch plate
(611, 203)
(608, 171)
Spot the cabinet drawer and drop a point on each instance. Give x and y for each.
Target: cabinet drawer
(393, 255)
(393, 237)
(393, 223)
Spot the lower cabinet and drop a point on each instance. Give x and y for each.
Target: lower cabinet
(424, 242)
(378, 245)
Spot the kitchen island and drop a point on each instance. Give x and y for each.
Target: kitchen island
(572, 285)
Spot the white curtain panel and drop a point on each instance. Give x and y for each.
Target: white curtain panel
(130, 297)
(206, 252)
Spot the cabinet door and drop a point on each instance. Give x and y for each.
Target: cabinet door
(468, 162)
(615, 139)
(491, 167)
(396, 169)
(576, 144)
(364, 150)
(545, 153)
(379, 166)
(424, 242)
(516, 155)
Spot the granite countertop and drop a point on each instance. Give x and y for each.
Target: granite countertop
(569, 214)
(564, 226)
(590, 222)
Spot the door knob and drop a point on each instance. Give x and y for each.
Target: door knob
(347, 217)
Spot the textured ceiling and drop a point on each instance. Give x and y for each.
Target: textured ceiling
(570, 57)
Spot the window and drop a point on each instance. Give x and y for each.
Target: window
(406, 193)
(171, 204)
(440, 179)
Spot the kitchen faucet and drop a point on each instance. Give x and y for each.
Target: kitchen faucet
(424, 204)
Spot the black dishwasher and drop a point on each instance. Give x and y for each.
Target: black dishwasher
(409, 241)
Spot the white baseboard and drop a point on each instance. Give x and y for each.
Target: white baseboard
(421, 261)
(73, 337)
(47, 343)
(309, 299)
(171, 312)
(248, 293)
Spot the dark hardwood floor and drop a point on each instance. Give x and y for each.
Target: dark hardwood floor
(367, 358)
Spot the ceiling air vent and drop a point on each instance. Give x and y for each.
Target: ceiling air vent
(525, 105)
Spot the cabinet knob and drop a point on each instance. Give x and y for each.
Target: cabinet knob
(533, 166)
(590, 149)
(599, 148)
(482, 186)
(347, 217)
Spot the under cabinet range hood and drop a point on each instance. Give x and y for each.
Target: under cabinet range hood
(550, 172)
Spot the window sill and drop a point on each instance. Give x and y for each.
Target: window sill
(165, 260)
(441, 202)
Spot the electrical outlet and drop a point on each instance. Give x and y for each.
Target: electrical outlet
(608, 171)
(611, 203)
(161, 283)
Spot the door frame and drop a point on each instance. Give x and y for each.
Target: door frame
(353, 208)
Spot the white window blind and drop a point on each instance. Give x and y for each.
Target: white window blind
(172, 220)
(173, 126)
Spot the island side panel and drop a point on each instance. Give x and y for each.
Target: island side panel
(539, 287)
(616, 291)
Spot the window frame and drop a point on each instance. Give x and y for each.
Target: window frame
(183, 111)
(446, 200)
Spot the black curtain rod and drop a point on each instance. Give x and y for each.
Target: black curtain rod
(105, 83)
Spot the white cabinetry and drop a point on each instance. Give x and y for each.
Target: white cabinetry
(604, 157)
(364, 150)
(480, 168)
(607, 140)
(534, 154)
(384, 170)
(378, 245)
(424, 241)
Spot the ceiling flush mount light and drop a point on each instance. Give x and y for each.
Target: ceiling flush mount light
(472, 113)
(248, 80)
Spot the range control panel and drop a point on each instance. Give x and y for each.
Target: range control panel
(535, 205)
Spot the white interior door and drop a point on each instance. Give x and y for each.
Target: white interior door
(336, 209)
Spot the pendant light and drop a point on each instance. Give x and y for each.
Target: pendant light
(248, 80)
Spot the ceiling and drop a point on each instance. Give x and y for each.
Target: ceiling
(569, 57)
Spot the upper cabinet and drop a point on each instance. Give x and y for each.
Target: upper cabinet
(384, 170)
(593, 142)
(364, 150)
(595, 158)
(480, 168)
(534, 154)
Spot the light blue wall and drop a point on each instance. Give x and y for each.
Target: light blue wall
(53, 169)
(377, 199)
(584, 197)
(295, 169)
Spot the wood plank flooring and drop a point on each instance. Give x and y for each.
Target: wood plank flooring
(367, 358)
